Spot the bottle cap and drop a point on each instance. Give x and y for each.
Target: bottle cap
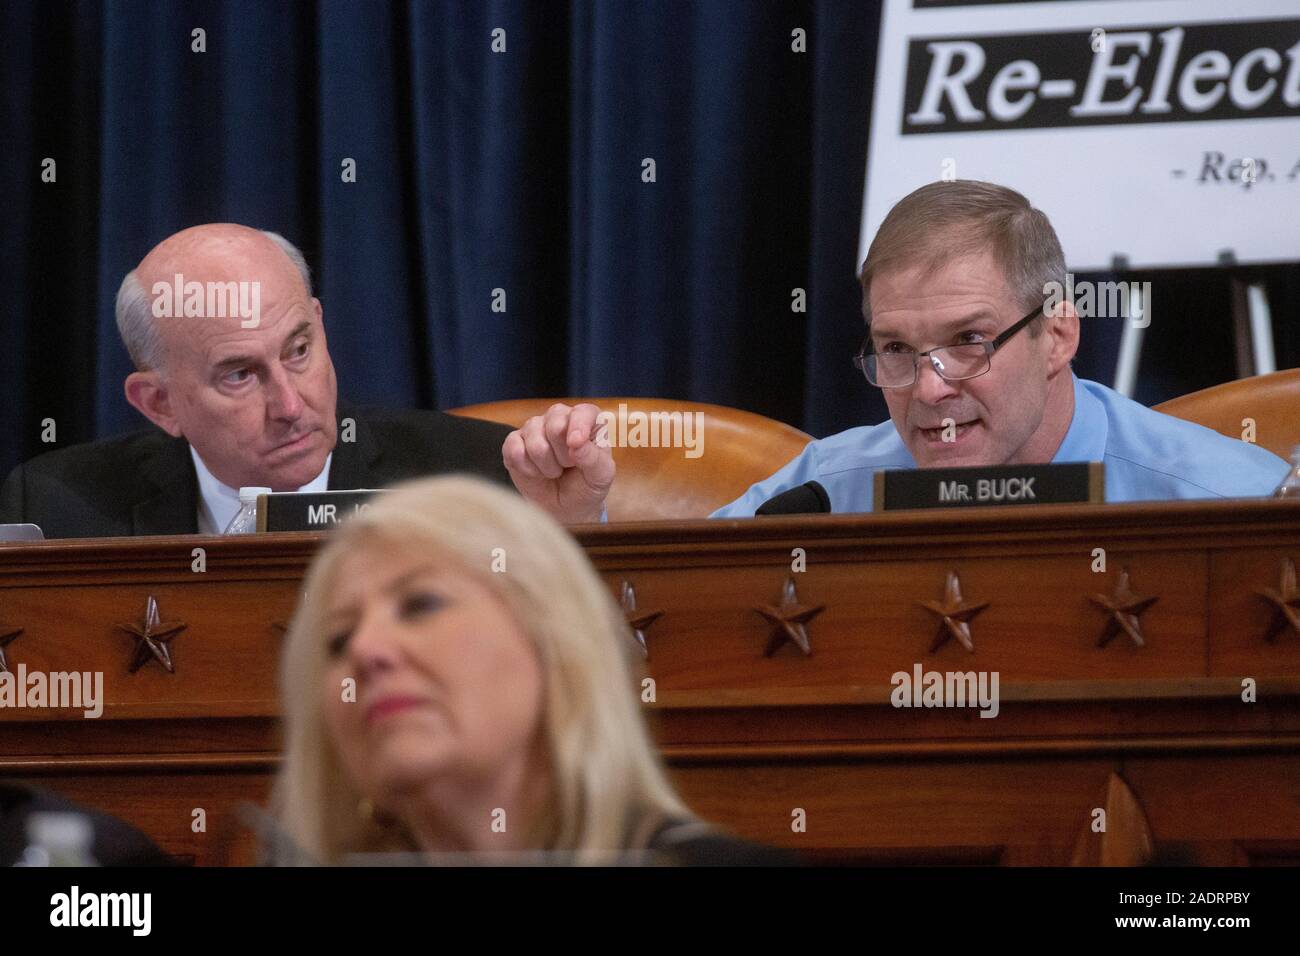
(250, 492)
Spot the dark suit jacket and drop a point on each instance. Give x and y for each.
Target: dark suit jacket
(145, 483)
(682, 843)
(116, 843)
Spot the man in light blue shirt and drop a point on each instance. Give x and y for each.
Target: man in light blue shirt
(968, 376)
(1148, 457)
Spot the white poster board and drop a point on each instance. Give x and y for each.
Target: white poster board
(1163, 131)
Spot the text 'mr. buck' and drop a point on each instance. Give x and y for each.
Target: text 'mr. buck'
(1071, 482)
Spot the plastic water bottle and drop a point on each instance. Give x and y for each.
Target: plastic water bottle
(1290, 487)
(245, 522)
(59, 839)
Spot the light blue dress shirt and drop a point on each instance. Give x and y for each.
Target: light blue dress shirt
(1148, 457)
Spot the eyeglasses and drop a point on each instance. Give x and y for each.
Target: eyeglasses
(953, 363)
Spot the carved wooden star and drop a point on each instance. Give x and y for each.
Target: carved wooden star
(8, 634)
(152, 637)
(1123, 606)
(789, 620)
(955, 615)
(638, 621)
(1286, 602)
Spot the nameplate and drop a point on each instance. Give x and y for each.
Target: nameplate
(309, 510)
(905, 488)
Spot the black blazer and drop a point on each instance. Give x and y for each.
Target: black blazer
(145, 483)
(692, 843)
(115, 843)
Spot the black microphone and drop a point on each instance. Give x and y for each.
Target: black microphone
(808, 498)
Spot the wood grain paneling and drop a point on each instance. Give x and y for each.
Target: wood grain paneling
(751, 737)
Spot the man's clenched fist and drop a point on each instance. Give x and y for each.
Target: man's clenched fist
(556, 461)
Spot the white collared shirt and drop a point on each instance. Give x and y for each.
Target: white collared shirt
(218, 503)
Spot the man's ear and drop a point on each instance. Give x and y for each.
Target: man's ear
(1062, 328)
(148, 394)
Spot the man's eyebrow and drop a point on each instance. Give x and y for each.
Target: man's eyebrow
(236, 361)
(969, 318)
(297, 330)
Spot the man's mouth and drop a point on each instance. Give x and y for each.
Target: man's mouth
(294, 444)
(948, 434)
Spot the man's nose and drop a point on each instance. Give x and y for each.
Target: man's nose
(283, 400)
(931, 387)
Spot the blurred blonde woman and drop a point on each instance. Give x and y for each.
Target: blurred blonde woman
(455, 680)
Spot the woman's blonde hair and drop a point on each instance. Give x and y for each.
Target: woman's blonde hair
(608, 787)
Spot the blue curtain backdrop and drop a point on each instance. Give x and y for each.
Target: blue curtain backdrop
(479, 170)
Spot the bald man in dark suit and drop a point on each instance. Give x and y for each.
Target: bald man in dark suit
(233, 369)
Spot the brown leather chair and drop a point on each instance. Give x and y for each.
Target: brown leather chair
(738, 449)
(1272, 400)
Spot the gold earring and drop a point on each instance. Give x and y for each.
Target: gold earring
(366, 810)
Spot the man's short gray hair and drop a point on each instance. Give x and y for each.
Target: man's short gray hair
(134, 309)
(945, 220)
